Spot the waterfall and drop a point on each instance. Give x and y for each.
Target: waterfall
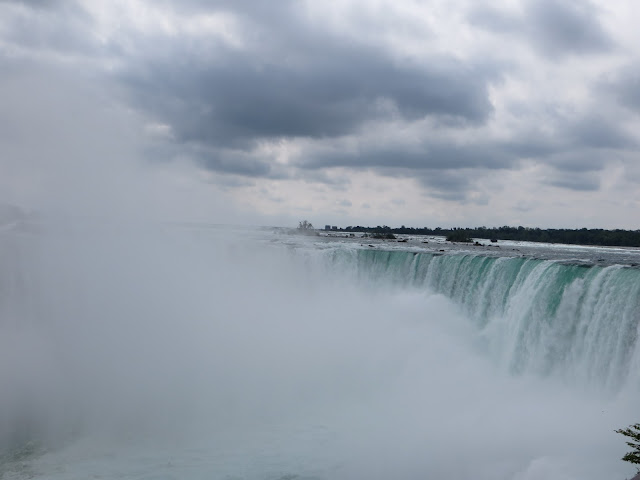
(579, 322)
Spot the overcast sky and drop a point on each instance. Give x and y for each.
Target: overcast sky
(423, 113)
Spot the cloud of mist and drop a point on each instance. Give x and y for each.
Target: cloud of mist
(70, 149)
(149, 335)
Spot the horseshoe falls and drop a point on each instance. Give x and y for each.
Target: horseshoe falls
(575, 321)
(204, 352)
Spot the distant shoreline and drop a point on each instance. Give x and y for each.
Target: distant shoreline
(595, 237)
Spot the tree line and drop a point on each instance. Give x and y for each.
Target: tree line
(582, 236)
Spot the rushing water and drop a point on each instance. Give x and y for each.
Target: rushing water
(540, 316)
(179, 353)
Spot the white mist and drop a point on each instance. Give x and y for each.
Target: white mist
(161, 353)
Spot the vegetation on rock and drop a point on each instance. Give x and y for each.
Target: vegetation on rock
(306, 228)
(459, 236)
(383, 235)
(305, 225)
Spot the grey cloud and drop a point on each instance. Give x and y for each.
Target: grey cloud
(555, 28)
(579, 148)
(339, 182)
(493, 19)
(11, 214)
(258, 8)
(531, 146)
(437, 156)
(575, 182)
(445, 170)
(236, 162)
(232, 181)
(222, 160)
(524, 206)
(629, 93)
(560, 27)
(624, 87)
(226, 161)
(579, 142)
(38, 4)
(294, 78)
(584, 143)
(50, 26)
(598, 132)
(582, 161)
(448, 185)
(238, 97)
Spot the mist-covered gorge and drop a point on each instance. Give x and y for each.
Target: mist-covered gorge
(136, 352)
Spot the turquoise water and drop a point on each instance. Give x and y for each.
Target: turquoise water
(578, 321)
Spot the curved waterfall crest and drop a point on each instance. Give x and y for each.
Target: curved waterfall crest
(540, 316)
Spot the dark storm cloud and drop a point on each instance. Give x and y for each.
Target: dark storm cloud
(555, 28)
(290, 76)
(238, 97)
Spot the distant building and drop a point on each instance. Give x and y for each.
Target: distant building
(334, 228)
(327, 227)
